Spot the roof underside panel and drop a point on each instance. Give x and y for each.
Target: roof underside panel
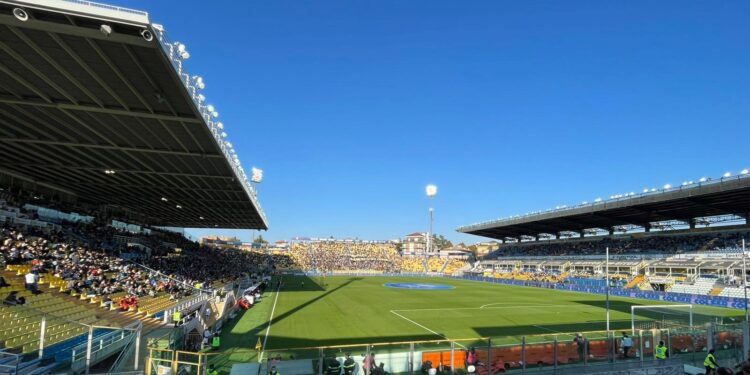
(727, 196)
(74, 103)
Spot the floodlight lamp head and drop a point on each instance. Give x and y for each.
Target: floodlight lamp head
(21, 14)
(745, 171)
(106, 30)
(210, 108)
(431, 190)
(220, 125)
(147, 35)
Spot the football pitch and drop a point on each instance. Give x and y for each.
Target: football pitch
(317, 311)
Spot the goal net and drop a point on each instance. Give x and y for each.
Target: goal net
(648, 317)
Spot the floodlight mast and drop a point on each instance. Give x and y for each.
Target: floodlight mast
(744, 277)
(606, 279)
(431, 191)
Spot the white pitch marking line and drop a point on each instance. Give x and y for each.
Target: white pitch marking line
(550, 329)
(268, 330)
(482, 307)
(415, 323)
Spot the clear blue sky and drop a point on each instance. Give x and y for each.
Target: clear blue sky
(352, 107)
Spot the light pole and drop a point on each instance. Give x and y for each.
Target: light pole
(431, 191)
(744, 277)
(606, 280)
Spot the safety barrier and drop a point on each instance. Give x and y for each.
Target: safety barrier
(559, 353)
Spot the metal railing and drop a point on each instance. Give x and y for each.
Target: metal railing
(557, 352)
(95, 349)
(185, 304)
(108, 7)
(9, 362)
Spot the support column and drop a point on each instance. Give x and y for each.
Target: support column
(137, 346)
(582, 233)
(691, 221)
(41, 335)
(611, 231)
(745, 337)
(89, 342)
(647, 227)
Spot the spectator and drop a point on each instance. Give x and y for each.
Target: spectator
(710, 362)
(31, 279)
(627, 344)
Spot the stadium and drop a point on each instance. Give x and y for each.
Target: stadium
(110, 149)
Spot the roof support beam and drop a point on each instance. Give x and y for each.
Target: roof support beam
(106, 147)
(59, 28)
(55, 65)
(109, 111)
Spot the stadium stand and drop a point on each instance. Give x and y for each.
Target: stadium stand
(653, 243)
(413, 264)
(701, 286)
(345, 255)
(78, 283)
(106, 135)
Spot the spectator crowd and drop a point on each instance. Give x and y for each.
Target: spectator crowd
(649, 244)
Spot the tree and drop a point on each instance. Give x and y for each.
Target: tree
(260, 239)
(439, 242)
(473, 249)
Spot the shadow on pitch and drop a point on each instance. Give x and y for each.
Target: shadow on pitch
(300, 283)
(291, 312)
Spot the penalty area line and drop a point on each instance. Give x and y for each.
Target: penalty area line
(483, 307)
(423, 327)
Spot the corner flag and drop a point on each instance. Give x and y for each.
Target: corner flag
(258, 346)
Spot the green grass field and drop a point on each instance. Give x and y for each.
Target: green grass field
(357, 310)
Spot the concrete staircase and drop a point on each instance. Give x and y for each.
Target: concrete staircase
(636, 281)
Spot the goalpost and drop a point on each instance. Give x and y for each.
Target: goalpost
(646, 317)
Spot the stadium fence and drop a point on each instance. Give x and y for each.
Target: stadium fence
(555, 353)
(596, 352)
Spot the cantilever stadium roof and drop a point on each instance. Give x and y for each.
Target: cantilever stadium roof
(729, 195)
(87, 88)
